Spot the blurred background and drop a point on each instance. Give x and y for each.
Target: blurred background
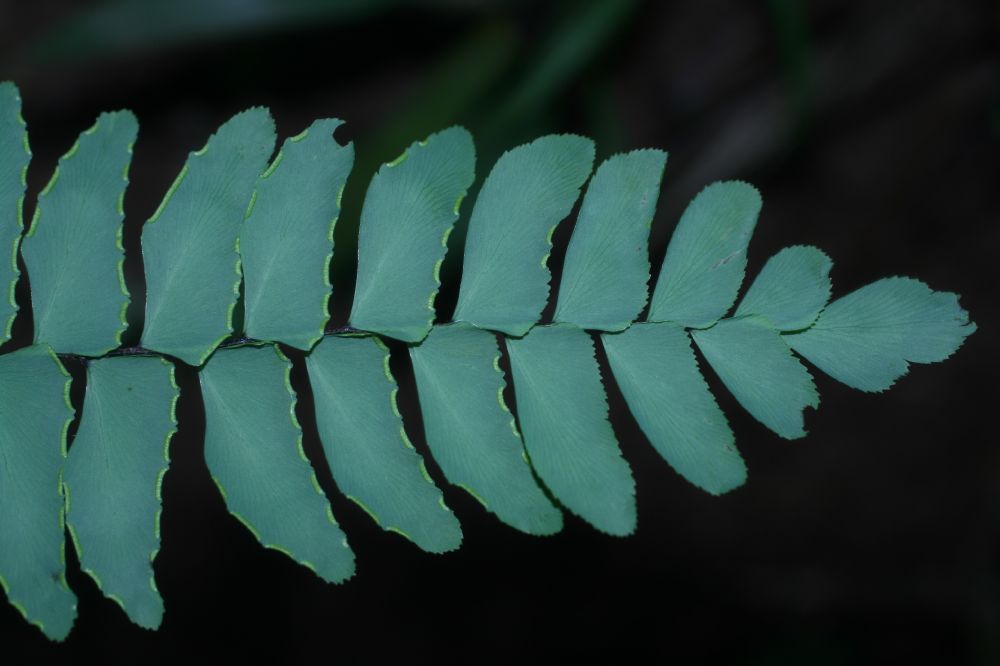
(872, 130)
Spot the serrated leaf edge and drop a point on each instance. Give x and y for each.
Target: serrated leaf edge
(394, 406)
(119, 208)
(156, 517)
(967, 324)
(328, 260)
(619, 326)
(64, 451)
(315, 482)
(12, 288)
(238, 267)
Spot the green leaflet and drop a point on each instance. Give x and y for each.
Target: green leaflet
(470, 430)
(707, 256)
(35, 414)
(564, 416)
(73, 250)
(114, 475)
(757, 367)
(286, 243)
(867, 338)
(533, 187)
(190, 245)
(658, 374)
(370, 456)
(607, 262)
(410, 208)
(791, 289)
(13, 182)
(253, 448)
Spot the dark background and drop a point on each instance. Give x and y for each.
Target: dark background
(872, 131)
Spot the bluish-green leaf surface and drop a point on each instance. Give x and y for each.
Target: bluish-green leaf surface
(707, 256)
(760, 371)
(73, 249)
(286, 243)
(658, 374)
(370, 455)
(35, 414)
(470, 431)
(13, 182)
(531, 189)
(253, 448)
(189, 245)
(868, 338)
(563, 413)
(606, 272)
(410, 209)
(791, 290)
(114, 475)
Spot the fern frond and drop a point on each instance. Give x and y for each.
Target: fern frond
(230, 216)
